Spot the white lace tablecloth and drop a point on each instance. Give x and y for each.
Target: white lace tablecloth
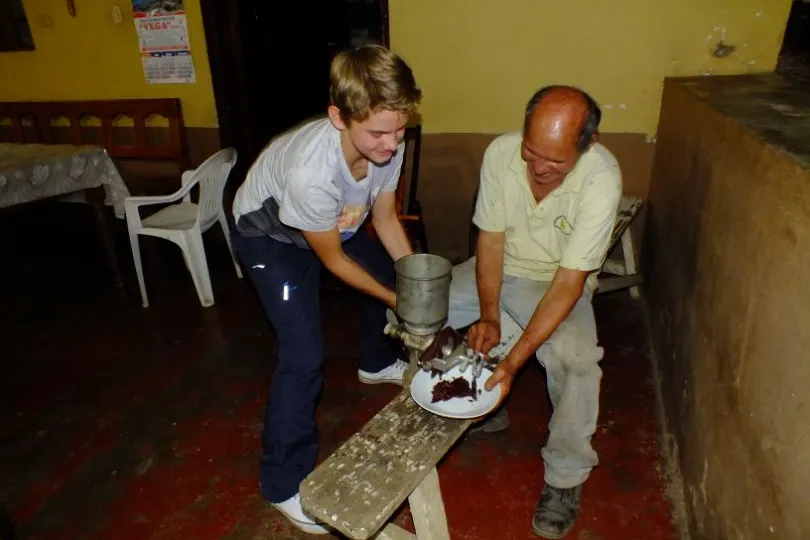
(36, 171)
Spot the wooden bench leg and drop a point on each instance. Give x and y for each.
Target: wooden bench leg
(392, 532)
(427, 509)
(629, 260)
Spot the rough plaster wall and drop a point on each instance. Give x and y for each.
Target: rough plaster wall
(729, 245)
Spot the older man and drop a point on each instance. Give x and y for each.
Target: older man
(546, 208)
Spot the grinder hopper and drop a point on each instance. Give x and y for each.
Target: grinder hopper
(423, 292)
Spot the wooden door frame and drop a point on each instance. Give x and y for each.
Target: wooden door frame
(224, 50)
(384, 23)
(226, 61)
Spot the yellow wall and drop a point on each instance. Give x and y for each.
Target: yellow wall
(91, 57)
(478, 61)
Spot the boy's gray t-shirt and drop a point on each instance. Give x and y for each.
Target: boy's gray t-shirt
(301, 182)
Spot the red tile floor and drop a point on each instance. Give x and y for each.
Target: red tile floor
(119, 422)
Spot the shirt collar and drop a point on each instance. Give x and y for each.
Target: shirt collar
(517, 165)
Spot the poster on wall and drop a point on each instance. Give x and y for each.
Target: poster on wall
(163, 39)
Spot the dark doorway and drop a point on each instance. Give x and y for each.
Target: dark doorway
(794, 58)
(270, 61)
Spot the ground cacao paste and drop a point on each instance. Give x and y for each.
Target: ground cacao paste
(457, 387)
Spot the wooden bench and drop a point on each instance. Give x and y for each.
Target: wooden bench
(393, 457)
(623, 273)
(121, 126)
(34, 122)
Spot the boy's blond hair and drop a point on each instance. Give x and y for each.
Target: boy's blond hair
(369, 79)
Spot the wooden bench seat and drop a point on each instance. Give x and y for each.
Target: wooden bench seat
(622, 273)
(150, 157)
(393, 457)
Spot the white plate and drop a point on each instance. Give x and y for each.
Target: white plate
(464, 407)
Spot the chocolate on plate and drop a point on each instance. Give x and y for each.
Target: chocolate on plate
(457, 387)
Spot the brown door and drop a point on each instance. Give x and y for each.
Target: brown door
(270, 61)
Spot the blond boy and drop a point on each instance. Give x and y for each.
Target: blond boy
(299, 210)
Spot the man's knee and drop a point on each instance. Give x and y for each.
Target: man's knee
(576, 348)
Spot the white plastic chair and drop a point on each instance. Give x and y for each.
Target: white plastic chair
(183, 223)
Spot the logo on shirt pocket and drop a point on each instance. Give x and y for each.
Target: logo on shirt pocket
(563, 225)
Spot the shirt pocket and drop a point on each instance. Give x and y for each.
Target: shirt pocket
(563, 221)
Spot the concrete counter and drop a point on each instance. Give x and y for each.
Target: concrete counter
(728, 267)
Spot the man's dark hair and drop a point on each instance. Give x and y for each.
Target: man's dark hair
(591, 125)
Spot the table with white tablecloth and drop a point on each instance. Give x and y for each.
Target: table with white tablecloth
(31, 172)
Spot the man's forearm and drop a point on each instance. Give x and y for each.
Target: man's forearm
(392, 235)
(553, 309)
(489, 273)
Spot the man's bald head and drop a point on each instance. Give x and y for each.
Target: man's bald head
(560, 125)
(565, 112)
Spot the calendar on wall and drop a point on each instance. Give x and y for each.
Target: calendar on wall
(168, 67)
(163, 40)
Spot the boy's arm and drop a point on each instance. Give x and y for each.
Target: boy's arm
(388, 227)
(329, 249)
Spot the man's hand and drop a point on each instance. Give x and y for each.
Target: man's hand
(504, 375)
(484, 335)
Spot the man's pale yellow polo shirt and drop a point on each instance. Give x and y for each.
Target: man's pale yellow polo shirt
(571, 227)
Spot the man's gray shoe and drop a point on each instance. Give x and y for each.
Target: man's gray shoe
(497, 422)
(556, 511)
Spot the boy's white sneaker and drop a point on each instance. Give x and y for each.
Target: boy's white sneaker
(392, 374)
(294, 512)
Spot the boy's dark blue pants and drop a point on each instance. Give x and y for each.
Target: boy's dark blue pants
(287, 279)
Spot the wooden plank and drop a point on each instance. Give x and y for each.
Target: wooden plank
(75, 129)
(17, 132)
(392, 532)
(630, 260)
(621, 282)
(105, 111)
(140, 131)
(614, 267)
(628, 208)
(359, 486)
(106, 132)
(427, 508)
(43, 123)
